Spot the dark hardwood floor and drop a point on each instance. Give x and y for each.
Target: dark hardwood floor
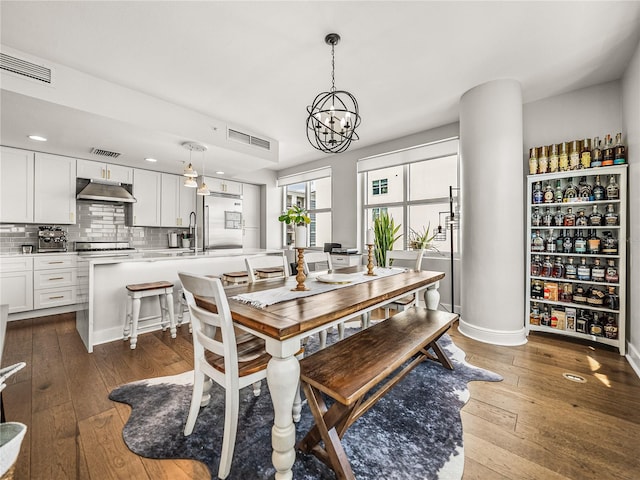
(533, 425)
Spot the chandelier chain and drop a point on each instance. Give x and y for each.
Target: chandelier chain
(333, 68)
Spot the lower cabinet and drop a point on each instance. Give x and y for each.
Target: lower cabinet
(54, 281)
(16, 283)
(346, 260)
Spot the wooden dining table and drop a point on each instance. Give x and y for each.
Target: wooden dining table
(284, 325)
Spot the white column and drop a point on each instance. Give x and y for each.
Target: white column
(492, 201)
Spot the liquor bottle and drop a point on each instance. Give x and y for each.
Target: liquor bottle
(553, 158)
(537, 289)
(559, 242)
(537, 242)
(533, 161)
(611, 217)
(611, 273)
(534, 315)
(584, 272)
(545, 317)
(570, 191)
(593, 243)
(579, 295)
(559, 192)
(595, 219)
(547, 267)
(565, 293)
(611, 327)
(595, 326)
(609, 244)
(558, 218)
(607, 152)
(536, 266)
(563, 157)
(551, 242)
(619, 151)
(596, 153)
(570, 270)
(585, 153)
(569, 218)
(597, 271)
(537, 193)
(595, 297)
(547, 193)
(582, 321)
(558, 268)
(613, 191)
(567, 242)
(581, 219)
(599, 193)
(612, 300)
(574, 155)
(543, 160)
(547, 218)
(579, 243)
(584, 190)
(536, 218)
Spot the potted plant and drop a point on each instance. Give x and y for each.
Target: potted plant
(385, 231)
(299, 217)
(421, 239)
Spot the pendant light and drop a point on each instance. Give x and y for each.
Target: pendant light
(203, 189)
(189, 172)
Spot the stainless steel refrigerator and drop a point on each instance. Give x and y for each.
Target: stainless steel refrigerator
(222, 221)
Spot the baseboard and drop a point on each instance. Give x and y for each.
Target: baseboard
(633, 357)
(508, 338)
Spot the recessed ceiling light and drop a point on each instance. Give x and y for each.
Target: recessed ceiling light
(219, 172)
(151, 160)
(38, 138)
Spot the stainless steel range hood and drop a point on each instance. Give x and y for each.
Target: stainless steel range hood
(105, 192)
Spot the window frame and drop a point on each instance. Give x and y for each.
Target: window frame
(311, 211)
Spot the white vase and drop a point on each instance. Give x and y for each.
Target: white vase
(301, 236)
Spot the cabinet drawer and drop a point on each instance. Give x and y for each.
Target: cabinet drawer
(53, 297)
(54, 278)
(16, 290)
(345, 260)
(16, 264)
(54, 261)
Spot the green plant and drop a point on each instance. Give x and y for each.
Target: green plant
(385, 231)
(419, 239)
(296, 215)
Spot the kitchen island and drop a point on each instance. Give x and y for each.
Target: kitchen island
(102, 318)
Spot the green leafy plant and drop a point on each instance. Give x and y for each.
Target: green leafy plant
(295, 215)
(385, 231)
(419, 239)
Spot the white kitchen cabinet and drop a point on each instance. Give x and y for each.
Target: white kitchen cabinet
(147, 188)
(54, 281)
(16, 185)
(104, 171)
(339, 261)
(251, 216)
(219, 185)
(16, 283)
(54, 189)
(177, 201)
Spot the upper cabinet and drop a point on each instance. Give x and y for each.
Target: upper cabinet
(219, 185)
(16, 182)
(147, 188)
(104, 171)
(177, 201)
(54, 189)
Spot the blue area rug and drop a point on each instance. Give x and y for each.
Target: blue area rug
(414, 432)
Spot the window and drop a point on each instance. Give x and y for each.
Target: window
(380, 187)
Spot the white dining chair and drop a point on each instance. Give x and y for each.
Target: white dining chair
(236, 359)
(267, 266)
(403, 258)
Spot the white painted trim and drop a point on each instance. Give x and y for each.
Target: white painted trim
(508, 338)
(633, 357)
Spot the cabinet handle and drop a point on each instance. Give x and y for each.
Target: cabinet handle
(56, 297)
(108, 174)
(56, 278)
(52, 263)
(71, 217)
(103, 173)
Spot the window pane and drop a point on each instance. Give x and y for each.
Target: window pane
(295, 195)
(320, 191)
(422, 215)
(385, 185)
(431, 178)
(320, 229)
(398, 218)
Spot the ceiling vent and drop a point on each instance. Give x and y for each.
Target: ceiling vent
(247, 139)
(25, 68)
(104, 153)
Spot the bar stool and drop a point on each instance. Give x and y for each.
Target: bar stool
(183, 307)
(135, 293)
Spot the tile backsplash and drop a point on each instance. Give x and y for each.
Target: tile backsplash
(97, 222)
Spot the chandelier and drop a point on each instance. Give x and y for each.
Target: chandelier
(190, 173)
(333, 116)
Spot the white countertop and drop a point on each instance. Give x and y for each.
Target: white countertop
(153, 254)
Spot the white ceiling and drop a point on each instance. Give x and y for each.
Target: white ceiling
(259, 64)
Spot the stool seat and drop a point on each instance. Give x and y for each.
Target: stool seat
(163, 291)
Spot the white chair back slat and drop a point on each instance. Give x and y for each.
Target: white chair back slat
(405, 258)
(266, 261)
(315, 261)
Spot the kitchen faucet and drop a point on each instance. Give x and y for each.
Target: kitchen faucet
(193, 231)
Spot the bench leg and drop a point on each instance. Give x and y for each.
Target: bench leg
(442, 357)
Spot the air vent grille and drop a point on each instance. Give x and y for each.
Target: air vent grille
(25, 68)
(247, 139)
(104, 153)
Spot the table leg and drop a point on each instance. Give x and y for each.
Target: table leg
(282, 377)
(432, 296)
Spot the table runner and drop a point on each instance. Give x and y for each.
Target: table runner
(265, 298)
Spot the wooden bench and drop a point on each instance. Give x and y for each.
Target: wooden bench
(348, 370)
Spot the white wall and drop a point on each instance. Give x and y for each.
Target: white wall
(631, 130)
